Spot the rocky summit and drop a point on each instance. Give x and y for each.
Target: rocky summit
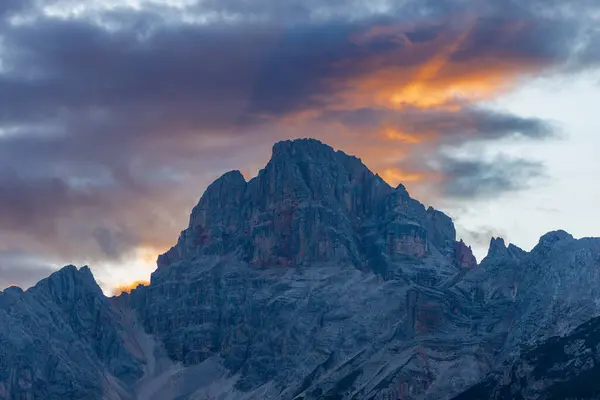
(313, 280)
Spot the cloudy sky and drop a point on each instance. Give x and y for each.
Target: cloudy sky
(116, 114)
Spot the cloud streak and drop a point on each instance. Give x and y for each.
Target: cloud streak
(22, 269)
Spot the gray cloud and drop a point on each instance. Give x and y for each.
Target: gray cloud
(22, 269)
(467, 124)
(9, 7)
(481, 236)
(478, 178)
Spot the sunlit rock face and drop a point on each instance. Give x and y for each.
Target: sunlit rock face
(314, 280)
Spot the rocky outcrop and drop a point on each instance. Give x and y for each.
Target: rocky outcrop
(62, 339)
(407, 238)
(463, 256)
(564, 367)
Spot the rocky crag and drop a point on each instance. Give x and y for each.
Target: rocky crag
(314, 280)
(62, 339)
(561, 367)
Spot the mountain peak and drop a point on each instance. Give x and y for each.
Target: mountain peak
(300, 145)
(83, 273)
(552, 239)
(555, 236)
(234, 176)
(312, 203)
(68, 283)
(313, 150)
(401, 188)
(497, 246)
(464, 257)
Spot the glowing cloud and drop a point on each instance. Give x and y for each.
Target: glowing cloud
(127, 288)
(447, 71)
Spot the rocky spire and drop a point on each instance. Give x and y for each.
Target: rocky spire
(463, 256)
(497, 247)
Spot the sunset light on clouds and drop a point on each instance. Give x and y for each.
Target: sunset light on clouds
(127, 288)
(125, 111)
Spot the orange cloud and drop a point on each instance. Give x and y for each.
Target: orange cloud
(127, 288)
(397, 135)
(428, 74)
(396, 175)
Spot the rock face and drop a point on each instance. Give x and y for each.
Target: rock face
(62, 339)
(464, 257)
(314, 280)
(310, 204)
(564, 367)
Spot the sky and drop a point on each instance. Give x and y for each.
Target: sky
(116, 115)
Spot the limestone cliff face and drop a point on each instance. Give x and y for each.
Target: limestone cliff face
(311, 204)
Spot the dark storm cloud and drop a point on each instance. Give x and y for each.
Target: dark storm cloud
(467, 124)
(24, 203)
(192, 72)
(47, 207)
(111, 123)
(480, 179)
(9, 7)
(98, 211)
(114, 244)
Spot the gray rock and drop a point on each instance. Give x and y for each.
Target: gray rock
(61, 339)
(564, 367)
